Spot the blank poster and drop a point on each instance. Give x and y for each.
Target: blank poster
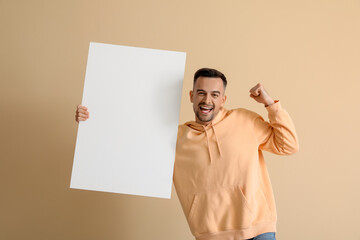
(128, 143)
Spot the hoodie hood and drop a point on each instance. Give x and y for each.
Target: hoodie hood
(201, 128)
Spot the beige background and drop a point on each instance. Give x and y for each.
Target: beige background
(306, 53)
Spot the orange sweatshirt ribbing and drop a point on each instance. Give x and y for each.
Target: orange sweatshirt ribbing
(220, 174)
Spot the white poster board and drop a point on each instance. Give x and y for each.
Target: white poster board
(128, 143)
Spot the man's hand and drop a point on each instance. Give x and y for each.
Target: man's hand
(82, 113)
(260, 95)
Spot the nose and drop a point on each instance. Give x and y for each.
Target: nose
(208, 99)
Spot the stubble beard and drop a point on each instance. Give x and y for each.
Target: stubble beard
(204, 118)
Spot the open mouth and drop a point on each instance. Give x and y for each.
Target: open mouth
(205, 109)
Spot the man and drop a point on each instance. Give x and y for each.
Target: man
(220, 174)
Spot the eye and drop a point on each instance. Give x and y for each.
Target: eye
(215, 95)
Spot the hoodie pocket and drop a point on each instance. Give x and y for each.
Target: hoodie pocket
(219, 210)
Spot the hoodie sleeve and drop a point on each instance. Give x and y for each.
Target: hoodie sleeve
(277, 136)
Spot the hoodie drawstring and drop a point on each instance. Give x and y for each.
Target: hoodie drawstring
(208, 143)
(217, 141)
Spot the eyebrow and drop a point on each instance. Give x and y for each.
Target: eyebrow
(202, 90)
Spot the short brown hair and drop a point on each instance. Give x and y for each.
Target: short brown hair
(210, 72)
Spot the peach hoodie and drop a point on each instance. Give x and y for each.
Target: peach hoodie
(220, 174)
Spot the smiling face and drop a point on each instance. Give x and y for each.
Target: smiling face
(208, 97)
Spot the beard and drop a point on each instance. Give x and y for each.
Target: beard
(204, 118)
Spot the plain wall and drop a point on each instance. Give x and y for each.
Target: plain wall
(306, 54)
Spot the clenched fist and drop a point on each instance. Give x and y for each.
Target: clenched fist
(260, 95)
(82, 113)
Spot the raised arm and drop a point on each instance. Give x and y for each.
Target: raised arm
(278, 135)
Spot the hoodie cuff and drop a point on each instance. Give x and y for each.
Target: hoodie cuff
(276, 106)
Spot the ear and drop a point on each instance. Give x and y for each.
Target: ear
(223, 101)
(191, 94)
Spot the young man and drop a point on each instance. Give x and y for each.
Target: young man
(220, 174)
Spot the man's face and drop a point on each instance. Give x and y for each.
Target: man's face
(208, 97)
